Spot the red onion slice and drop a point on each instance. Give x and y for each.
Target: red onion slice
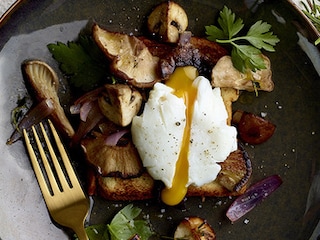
(114, 138)
(93, 118)
(89, 96)
(252, 197)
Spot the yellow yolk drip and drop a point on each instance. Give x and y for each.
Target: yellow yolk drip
(181, 81)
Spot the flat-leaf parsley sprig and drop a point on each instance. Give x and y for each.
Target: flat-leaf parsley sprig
(246, 50)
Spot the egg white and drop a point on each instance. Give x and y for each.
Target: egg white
(158, 132)
(212, 140)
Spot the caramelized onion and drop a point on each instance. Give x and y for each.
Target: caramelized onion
(84, 104)
(114, 138)
(252, 197)
(93, 118)
(33, 116)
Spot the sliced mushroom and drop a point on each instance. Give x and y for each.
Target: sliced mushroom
(194, 228)
(233, 78)
(167, 21)
(191, 51)
(120, 103)
(112, 160)
(252, 128)
(235, 171)
(45, 83)
(130, 58)
(229, 95)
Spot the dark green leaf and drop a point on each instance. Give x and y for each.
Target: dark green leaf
(80, 62)
(214, 33)
(244, 57)
(260, 37)
(229, 24)
(97, 232)
(124, 225)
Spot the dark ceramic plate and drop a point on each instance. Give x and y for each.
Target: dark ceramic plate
(294, 106)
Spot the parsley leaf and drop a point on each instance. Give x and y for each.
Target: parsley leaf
(82, 62)
(123, 225)
(244, 56)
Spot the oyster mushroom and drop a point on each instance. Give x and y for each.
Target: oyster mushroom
(194, 228)
(233, 78)
(167, 21)
(45, 83)
(120, 103)
(112, 160)
(130, 59)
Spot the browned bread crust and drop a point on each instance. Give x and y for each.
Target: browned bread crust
(234, 175)
(120, 189)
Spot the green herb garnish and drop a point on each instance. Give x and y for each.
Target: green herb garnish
(246, 49)
(124, 225)
(19, 111)
(312, 11)
(82, 62)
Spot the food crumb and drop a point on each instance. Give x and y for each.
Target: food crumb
(263, 114)
(246, 221)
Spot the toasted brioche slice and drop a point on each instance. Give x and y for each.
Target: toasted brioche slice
(120, 189)
(231, 181)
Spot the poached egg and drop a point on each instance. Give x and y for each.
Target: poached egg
(182, 134)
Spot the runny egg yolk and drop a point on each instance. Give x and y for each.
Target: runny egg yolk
(181, 81)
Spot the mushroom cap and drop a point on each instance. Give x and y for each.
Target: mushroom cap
(116, 161)
(130, 58)
(120, 103)
(167, 21)
(194, 228)
(45, 83)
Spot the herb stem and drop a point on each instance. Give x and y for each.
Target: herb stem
(232, 40)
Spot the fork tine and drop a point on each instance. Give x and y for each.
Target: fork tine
(58, 169)
(63, 194)
(36, 165)
(64, 156)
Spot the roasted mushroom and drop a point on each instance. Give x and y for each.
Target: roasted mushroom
(194, 228)
(235, 171)
(44, 83)
(229, 95)
(167, 21)
(117, 160)
(253, 129)
(120, 103)
(130, 58)
(192, 51)
(233, 78)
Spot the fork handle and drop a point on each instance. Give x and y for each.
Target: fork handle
(81, 234)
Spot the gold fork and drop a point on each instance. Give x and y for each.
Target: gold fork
(61, 190)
